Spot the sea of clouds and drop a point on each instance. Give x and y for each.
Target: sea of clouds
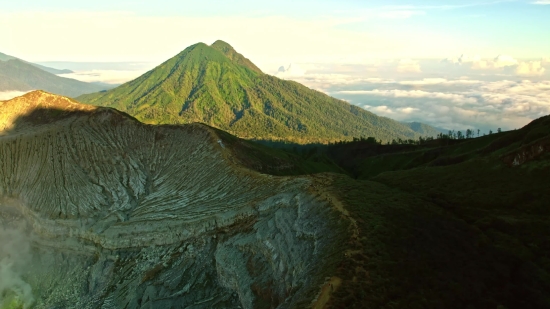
(454, 93)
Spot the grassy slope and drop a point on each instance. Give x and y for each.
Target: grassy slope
(452, 226)
(217, 86)
(18, 75)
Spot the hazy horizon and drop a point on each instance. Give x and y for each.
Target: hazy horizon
(451, 64)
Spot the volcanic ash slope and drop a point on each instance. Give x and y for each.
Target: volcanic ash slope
(112, 213)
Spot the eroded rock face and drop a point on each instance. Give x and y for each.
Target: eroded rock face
(119, 214)
(527, 153)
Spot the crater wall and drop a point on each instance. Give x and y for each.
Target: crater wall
(120, 214)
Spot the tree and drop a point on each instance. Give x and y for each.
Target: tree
(490, 132)
(499, 130)
(477, 132)
(371, 140)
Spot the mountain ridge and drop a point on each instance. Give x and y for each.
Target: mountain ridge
(4, 57)
(19, 75)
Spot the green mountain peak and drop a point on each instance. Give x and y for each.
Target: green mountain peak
(218, 86)
(219, 45)
(232, 54)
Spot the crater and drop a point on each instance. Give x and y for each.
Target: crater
(119, 218)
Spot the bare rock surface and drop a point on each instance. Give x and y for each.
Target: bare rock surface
(118, 214)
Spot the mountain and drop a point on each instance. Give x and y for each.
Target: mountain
(4, 57)
(424, 129)
(218, 86)
(19, 75)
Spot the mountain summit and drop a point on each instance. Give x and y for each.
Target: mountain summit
(220, 87)
(232, 54)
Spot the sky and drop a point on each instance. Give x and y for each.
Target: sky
(338, 47)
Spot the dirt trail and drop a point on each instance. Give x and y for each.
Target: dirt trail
(328, 288)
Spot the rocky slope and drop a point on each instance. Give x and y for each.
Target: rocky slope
(102, 211)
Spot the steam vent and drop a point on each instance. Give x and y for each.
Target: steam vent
(98, 210)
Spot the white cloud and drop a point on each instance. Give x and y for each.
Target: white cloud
(463, 59)
(104, 76)
(396, 93)
(531, 68)
(484, 104)
(7, 95)
(482, 65)
(439, 81)
(291, 71)
(382, 110)
(504, 64)
(502, 61)
(407, 110)
(542, 2)
(408, 66)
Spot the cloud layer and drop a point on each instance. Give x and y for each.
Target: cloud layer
(484, 105)
(501, 63)
(104, 76)
(456, 97)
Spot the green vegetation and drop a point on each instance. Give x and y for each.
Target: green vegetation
(217, 86)
(11, 301)
(19, 75)
(448, 223)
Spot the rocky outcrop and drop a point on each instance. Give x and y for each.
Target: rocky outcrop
(119, 214)
(527, 153)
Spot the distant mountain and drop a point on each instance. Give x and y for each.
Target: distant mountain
(4, 57)
(220, 87)
(424, 129)
(19, 75)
